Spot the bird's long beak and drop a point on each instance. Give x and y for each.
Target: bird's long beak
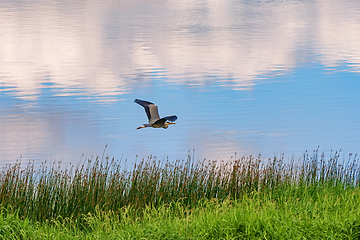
(171, 123)
(140, 127)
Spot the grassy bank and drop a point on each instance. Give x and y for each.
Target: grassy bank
(245, 198)
(328, 213)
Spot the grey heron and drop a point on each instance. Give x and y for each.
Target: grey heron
(153, 115)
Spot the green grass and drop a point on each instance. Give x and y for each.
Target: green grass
(331, 213)
(246, 198)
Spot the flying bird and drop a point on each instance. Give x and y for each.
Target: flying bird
(153, 115)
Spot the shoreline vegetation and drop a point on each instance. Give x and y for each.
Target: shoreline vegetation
(247, 198)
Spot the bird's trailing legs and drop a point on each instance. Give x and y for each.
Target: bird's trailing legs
(166, 124)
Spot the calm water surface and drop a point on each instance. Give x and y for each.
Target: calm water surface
(244, 77)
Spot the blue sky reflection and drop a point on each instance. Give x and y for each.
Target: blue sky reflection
(248, 77)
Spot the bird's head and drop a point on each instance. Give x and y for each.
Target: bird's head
(167, 124)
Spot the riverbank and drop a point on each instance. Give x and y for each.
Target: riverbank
(248, 198)
(311, 213)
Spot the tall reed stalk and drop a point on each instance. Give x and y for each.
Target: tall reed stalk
(49, 192)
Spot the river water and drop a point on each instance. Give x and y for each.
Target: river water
(245, 77)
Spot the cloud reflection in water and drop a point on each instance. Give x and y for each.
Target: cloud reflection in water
(58, 58)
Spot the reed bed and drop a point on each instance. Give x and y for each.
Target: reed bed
(51, 192)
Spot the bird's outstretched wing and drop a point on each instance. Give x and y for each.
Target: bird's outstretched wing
(159, 123)
(150, 109)
(171, 118)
